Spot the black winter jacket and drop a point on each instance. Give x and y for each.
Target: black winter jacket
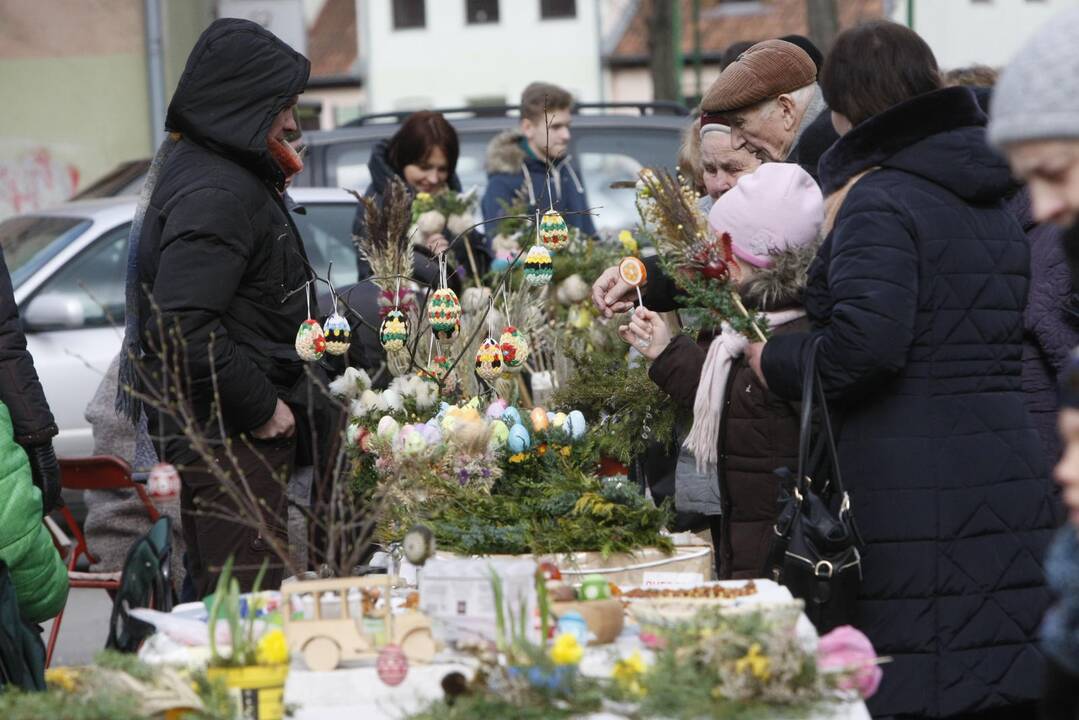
(918, 293)
(20, 388)
(219, 253)
(424, 264)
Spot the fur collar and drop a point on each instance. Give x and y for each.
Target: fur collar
(504, 153)
(882, 136)
(780, 286)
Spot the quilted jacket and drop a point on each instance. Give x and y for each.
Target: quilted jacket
(918, 292)
(39, 575)
(1051, 330)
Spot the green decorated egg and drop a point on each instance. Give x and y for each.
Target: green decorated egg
(394, 331)
(444, 314)
(553, 232)
(538, 266)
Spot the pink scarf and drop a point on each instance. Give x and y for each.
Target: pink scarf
(703, 438)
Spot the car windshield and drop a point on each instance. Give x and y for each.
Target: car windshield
(30, 241)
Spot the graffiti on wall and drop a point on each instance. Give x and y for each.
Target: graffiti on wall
(35, 179)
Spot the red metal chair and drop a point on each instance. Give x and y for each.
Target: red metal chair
(93, 473)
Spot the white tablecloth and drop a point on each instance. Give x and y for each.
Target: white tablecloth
(356, 693)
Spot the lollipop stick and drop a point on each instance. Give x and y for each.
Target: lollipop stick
(640, 297)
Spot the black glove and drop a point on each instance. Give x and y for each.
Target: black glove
(46, 471)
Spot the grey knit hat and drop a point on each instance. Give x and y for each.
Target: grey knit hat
(1037, 96)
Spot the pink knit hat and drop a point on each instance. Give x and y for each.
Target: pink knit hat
(777, 207)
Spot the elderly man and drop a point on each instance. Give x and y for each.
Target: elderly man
(770, 100)
(773, 105)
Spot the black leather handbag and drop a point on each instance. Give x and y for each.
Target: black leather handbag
(816, 550)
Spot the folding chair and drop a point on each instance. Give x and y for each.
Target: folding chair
(93, 473)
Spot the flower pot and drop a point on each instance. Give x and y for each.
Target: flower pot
(258, 689)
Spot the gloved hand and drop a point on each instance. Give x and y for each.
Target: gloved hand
(46, 471)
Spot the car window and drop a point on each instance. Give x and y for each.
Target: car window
(95, 277)
(326, 230)
(30, 241)
(617, 208)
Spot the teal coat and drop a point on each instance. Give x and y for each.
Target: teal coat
(25, 545)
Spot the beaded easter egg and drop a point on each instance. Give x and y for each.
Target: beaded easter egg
(338, 334)
(514, 349)
(553, 232)
(538, 266)
(394, 332)
(392, 665)
(489, 361)
(632, 271)
(444, 314)
(310, 340)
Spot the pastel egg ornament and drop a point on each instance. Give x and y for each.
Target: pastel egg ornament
(539, 269)
(394, 331)
(511, 416)
(553, 231)
(514, 349)
(338, 334)
(392, 665)
(444, 314)
(575, 424)
(539, 419)
(310, 341)
(489, 361)
(518, 440)
(500, 434)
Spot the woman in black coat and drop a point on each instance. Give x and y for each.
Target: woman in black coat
(918, 292)
(423, 154)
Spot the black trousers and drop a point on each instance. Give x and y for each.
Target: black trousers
(216, 527)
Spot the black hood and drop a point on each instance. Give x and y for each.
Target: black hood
(238, 78)
(382, 172)
(939, 136)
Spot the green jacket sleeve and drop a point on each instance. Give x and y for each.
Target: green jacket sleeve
(37, 571)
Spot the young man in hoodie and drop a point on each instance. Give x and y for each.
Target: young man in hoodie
(518, 161)
(216, 292)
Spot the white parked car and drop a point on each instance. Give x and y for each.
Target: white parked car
(67, 266)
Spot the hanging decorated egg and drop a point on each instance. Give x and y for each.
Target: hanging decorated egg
(164, 481)
(538, 266)
(439, 370)
(518, 440)
(489, 361)
(387, 428)
(632, 271)
(444, 314)
(514, 349)
(553, 231)
(393, 334)
(539, 419)
(310, 340)
(392, 665)
(338, 334)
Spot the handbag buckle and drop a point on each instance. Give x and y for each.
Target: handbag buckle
(824, 569)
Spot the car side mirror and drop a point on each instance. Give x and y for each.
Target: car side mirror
(54, 311)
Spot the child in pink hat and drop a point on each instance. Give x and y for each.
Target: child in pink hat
(741, 432)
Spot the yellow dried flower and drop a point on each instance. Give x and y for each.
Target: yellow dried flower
(272, 648)
(629, 243)
(757, 664)
(63, 678)
(627, 673)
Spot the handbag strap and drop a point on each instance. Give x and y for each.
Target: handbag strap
(812, 388)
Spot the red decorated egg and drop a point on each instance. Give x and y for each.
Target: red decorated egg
(392, 665)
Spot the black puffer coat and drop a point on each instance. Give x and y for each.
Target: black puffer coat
(218, 250)
(918, 293)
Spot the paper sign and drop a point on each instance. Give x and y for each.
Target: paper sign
(672, 580)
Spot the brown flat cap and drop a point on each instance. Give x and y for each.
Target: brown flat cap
(767, 69)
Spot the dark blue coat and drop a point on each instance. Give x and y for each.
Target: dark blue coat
(512, 170)
(918, 293)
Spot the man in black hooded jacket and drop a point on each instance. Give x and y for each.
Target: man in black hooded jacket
(223, 274)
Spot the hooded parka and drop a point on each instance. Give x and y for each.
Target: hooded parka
(221, 258)
(918, 292)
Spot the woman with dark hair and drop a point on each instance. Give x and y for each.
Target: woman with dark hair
(423, 153)
(917, 297)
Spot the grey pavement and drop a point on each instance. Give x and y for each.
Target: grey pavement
(84, 628)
